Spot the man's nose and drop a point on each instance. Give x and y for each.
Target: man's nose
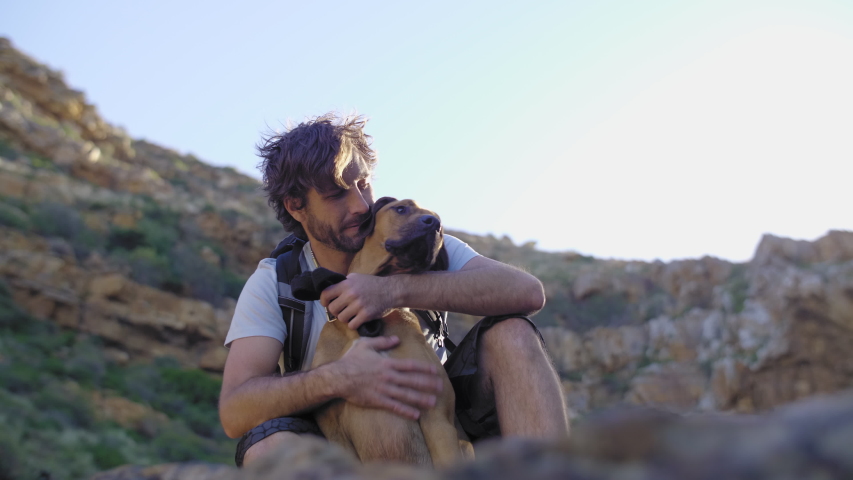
(358, 202)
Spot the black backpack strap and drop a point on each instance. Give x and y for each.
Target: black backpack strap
(437, 322)
(287, 266)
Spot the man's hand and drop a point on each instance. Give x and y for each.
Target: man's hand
(358, 299)
(403, 386)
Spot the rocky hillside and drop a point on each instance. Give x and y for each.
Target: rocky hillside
(696, 335)
(141, 252)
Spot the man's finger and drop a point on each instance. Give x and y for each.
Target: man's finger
(399, 408)
(347, 314)
(409, 365)
(328, 295)
(336, 307)
(358, 320)
(425, 383)
(409, 397)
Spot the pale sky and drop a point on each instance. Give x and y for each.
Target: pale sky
(621, 129)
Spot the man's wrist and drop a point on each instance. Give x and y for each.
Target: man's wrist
(396, 288)
(331, 383)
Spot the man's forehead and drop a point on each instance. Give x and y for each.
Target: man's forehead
(356, 170)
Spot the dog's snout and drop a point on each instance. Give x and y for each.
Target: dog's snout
(430, 221)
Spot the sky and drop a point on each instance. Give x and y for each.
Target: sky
(618, 129)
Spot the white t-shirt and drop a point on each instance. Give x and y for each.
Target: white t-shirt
(258, 312)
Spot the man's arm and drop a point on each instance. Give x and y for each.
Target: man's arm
(482, 287)
(252, 393)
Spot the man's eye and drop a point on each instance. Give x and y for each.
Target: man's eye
(338, 194)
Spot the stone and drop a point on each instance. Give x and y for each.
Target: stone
(615, 348)
(678, 339)
(589, 283)
(566, 349)
(726, 378)
(678, 387)
(777, 249)
(126, 413)
(836, 246)
(214, 359)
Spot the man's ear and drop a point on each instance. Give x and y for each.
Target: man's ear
(290, 205)
(367, 227)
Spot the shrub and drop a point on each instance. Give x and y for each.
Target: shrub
(233, 284)
(162, 216)
(11, 317)
(194, 385)
(159, 236)
(57, 220)
(85, 363)
(201, 279)
(178, 445)
(19, 378)
(10, 459)
(69, 408)
(107, 456)
(738, 287)
(14, 217)
(7, 150)
(149, 267)
(125, 239)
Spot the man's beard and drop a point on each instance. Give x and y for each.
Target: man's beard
(325, 234)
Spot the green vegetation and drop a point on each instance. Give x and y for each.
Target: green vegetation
(7, 150)
(605, 309)
(738, 287)
(573, 376)
(50, 426)
(161, 250)
(12, 216)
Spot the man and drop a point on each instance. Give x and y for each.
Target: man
(317, 179)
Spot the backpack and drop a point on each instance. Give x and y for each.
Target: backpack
(286, 256)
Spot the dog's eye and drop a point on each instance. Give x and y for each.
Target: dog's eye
(401, 210)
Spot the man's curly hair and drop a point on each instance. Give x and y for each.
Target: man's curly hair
(313, 154)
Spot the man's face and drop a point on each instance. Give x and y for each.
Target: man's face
(333, 216)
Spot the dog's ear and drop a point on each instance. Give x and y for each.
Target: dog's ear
(442, 261)
(367, 227)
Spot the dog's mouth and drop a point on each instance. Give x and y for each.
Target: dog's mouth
(418, 248)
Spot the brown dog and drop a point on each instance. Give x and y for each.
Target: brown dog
(404, 239)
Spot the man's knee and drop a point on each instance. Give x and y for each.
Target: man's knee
(269, 444)
(514, 336)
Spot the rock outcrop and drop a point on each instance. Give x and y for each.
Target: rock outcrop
(730, 337)
(141, 321)
(807, 440)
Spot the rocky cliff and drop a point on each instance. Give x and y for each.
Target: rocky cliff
(147, 249)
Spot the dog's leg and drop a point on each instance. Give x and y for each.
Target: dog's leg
(446, 440)
(438, 423)
(379, 435)
(328, 419)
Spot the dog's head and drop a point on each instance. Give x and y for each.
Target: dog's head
(401, 237)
